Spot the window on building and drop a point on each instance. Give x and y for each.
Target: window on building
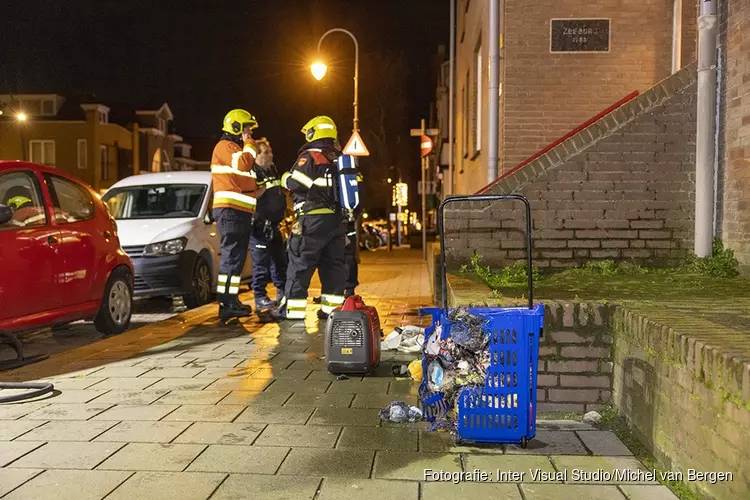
(463, 121)
(104, 156)
(162, 124)
(48, 107)
(477, 108)
(103, 117)
(466, 113)
(42, 151)
(21, 192)
(83, 157)
(71, 202)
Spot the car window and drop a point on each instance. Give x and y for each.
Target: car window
(71, 202)
(165, 201)
(22, 193)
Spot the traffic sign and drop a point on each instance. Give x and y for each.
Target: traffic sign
(356, 146)
(425, 146)
(432, 132)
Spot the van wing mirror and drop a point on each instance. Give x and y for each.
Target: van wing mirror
(6, 214)
(209, 218)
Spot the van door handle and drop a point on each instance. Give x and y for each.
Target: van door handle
(52, 240)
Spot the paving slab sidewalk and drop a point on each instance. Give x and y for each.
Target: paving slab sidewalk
(195, 410)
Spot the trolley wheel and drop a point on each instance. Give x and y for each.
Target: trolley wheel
(524, 442)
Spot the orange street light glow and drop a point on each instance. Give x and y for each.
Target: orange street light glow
(318, 70)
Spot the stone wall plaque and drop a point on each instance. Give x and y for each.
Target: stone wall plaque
(579, 35)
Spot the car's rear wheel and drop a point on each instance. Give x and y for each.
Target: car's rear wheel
(202, 284)
(116, 307)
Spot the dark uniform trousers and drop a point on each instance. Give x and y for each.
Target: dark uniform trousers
(321, 245)
(269, 260)
(234, 232)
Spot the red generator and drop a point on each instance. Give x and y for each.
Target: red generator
(353, 336)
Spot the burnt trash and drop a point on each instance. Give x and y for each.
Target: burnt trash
(399, 412)
(458, 362)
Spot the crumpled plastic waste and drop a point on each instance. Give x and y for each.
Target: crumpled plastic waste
(415, 370)
(459, 362)
(407, 339)
(399, 412)
(432, 346)
(392, 341)
(467, 330)
(439, 379)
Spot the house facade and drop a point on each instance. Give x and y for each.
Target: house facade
(569, 63)
(100, 144)
(552, 78)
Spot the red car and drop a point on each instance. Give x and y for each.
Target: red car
(60, 257)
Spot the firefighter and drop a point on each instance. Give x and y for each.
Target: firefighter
(235, 194)
(266, 244)
(318, 237)
(24, 212)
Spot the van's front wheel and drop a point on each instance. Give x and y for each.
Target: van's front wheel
(202, 282)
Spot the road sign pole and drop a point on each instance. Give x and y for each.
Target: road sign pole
(426, 146)
(424, 202)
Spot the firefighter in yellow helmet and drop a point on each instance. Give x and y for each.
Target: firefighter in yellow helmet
(318, 238)
(235, 198)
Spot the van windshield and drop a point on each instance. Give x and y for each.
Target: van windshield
(170, 201)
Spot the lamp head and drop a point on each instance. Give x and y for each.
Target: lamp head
(319, 70)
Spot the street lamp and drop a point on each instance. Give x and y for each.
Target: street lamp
(319, 70)
(21, 118)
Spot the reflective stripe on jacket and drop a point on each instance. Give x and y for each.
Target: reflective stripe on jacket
(233, 176)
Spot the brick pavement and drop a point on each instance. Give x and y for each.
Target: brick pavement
(190, 409)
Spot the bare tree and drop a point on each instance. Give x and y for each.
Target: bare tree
(384, 124)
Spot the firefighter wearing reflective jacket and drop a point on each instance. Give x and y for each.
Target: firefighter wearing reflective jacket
(235, 194)
(266, 244)
(352, 244)
(318, 237)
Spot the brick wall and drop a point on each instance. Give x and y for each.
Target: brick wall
(684, 396)
(545, 95)
(575, 358)
(548, 94)
(688, 401)
(735, 132)
(621, 189)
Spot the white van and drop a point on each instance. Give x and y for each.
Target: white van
(165, 225)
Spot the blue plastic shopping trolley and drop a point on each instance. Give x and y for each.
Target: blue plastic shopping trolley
(503, 410)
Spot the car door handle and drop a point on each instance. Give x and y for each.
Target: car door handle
(52, 240)
(107, 235)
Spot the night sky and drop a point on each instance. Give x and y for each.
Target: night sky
(206, 57)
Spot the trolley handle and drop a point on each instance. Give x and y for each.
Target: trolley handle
(484, 197)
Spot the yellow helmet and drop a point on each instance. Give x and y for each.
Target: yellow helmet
(18, 201)
(236, 120)
(320, 127)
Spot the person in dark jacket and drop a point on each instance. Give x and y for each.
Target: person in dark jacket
(318, 237)
(266, 243)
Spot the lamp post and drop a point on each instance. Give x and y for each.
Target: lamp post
(319, 70)
(21, 118)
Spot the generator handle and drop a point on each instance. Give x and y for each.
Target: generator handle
(484, 197)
